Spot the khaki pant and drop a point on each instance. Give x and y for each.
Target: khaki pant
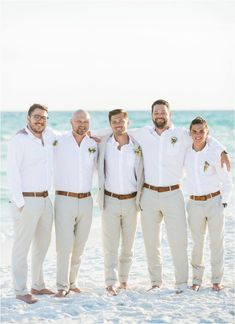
(200, 215)
(169, 206)
(32, 225)
(119, 219)
(73, 219)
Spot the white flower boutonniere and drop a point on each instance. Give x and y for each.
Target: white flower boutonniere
(206, 166)
(55, 143)
(91, 150)
(174, 140)
(137, 150)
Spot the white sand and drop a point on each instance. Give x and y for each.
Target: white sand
(135, 305)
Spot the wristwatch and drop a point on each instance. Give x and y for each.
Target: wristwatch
(225, 205)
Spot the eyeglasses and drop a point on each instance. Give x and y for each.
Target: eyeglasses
(39, 117)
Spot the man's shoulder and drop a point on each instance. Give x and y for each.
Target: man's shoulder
(20, 136)
(91, 141)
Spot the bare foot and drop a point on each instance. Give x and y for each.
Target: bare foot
(195, 287)
(61, 293)
(123, 285)
(43, 291)
(29, 299)
(111, 291)
(76, 290)
(217, 287)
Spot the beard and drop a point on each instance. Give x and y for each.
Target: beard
(37, 128)
(80, 131)
(160, 123)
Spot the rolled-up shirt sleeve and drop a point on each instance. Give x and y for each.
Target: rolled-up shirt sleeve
(14, 160)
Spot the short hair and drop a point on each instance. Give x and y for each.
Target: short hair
(116, 112)
(198, 120)
(161, 102)
(36, 106)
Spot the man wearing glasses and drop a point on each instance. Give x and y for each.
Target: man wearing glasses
(30, 161)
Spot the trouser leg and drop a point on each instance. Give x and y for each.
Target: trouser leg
(25, 223)
(65, 214)
(128, 229)
(151, 219)
(81, 232)
(198, 223)
(41, 242)
(173, 209)
(111, 220)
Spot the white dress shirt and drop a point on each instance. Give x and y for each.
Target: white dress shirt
(204, 174)
(74, 164)
(164, 154)
(30, 164)
(120, 175)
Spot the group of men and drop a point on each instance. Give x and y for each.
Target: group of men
(138, 170)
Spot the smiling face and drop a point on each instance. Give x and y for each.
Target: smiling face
(161, 116)
(37, 120)
(199, 133)
(80, 123)
(119, 124)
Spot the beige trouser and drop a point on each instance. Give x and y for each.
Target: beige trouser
(168, 205)
(200, 215)
(73, 217)
(32, 225)
(119, 218)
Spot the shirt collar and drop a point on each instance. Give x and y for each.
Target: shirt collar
(116, 144)
(31, 134)
(152, 129)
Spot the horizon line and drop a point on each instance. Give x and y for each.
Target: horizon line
(130, 110)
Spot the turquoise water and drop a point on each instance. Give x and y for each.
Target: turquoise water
(221, 125)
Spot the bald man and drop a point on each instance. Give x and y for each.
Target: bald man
(75, 159)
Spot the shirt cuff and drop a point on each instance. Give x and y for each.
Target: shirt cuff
(19, 202)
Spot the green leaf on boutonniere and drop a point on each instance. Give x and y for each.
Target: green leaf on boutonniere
(206, 166)
(174, 140)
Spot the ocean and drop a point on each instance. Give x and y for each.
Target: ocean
(136, 305)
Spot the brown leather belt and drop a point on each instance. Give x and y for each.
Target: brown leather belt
(43, 194)
(128, 196)
(161, 189)
(205, 197)
(73, 194)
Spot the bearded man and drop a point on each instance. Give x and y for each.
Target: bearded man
(75, 157)
(29, 169)
(164, 147)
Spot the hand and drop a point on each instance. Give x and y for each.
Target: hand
(224, 159)
(95, 138)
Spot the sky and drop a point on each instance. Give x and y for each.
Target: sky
(102, 55)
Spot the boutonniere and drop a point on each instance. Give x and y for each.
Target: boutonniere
(137, 150)
(206, 166)
(174, 140)
(92, 150)
(55, 143)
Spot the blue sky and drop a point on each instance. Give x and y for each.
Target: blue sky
(107, 54)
